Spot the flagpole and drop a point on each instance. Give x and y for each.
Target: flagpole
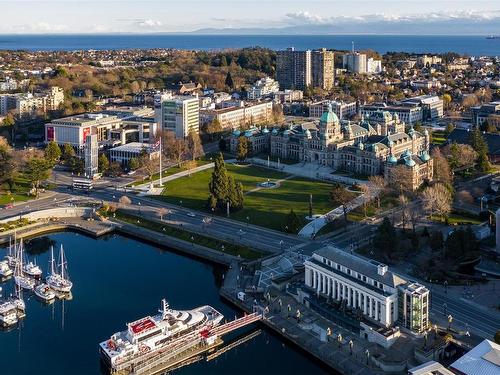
(161, 184)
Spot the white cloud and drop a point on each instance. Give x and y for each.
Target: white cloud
(149, 23)
(307, 18)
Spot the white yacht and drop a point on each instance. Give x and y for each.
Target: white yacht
(58, 278)
(8, 313)
(33, 270)
(19, 276)
(5, 270)
(44, 292)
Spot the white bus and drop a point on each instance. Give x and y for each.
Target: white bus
(82, 184)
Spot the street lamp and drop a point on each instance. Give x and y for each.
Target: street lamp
(289, 309)
(281, 245)
(367, 353)
(298, 316)
(328, 333)
(339, 339)
(351, 344)
(450, 319)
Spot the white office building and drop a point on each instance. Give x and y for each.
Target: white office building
(343, 110)
(91, 156)
(355, 62)
(364, 284)
(180, 114)
(263, 87)
(122, 154)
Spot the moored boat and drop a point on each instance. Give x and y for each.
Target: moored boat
(44, 292)
(20, 277)
(159, 334)
(5, 270)
(58, 278)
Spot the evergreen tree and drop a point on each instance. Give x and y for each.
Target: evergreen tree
(103, 163)
(223, 189)
(242, 149)
(229, 80)
(477, 141)
(133, 164)
(219, 186)
(436, 240)
(292, 224)
(386, 238)
(68, 152)
(52, 152)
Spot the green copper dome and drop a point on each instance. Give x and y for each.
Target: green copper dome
(329, 116)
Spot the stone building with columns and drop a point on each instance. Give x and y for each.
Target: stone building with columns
(363, 285)
(373, 146)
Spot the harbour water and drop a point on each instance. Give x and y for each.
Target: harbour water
(472, 45)
(117, 280)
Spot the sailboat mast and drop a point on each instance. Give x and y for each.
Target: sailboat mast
(52, 271)
(61, 265)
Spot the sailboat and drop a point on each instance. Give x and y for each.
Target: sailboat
(58, 278)
(11, 257)
(19, 276)
(17, 300)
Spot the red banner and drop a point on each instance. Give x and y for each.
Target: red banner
(86, 132)
(50, 133)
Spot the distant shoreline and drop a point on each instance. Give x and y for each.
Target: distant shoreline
(474, 45)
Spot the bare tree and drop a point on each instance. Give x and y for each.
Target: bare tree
(464, 196)
(403, 201)
(378, 184)
(436, 199)
(442, 171)
(401, 179)
(162, 212)
(415, 212)
(194, 145)
(124, 201)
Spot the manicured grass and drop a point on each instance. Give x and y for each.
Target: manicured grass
(459, 218)
(275, 159)
(229, 248)
(265, 207)
(168, 172)
(20, 191)
(438, 137)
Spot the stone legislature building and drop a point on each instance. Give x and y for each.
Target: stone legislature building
(374, 146)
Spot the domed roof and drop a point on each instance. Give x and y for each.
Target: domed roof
(265, 130)
(392, 159)
(307, 133)
(275, 131)
(425, 156)
(410, 162)
(248, 134)
(329, 116)
(236, 133)
(286, 133)
(407, 153)
(361, 146)
(390, 143)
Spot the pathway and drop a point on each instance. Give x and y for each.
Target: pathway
(278, 182)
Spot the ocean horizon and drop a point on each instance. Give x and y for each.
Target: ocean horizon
(475, 45)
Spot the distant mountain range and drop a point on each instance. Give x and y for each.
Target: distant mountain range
(403, 27)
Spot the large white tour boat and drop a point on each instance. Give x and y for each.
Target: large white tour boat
(164, 332)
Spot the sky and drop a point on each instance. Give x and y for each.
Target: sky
(310, 16)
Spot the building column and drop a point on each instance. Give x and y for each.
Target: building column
(370, 304)
(349, 291)
(360, 299)
(376, 310)
(365, 307)
(329, 289)
(313, 279)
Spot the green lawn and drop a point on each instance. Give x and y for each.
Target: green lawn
(265, 207)
(223, 246)
(459, 218)
(19, 192)
(438, 137)
(168, 172)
